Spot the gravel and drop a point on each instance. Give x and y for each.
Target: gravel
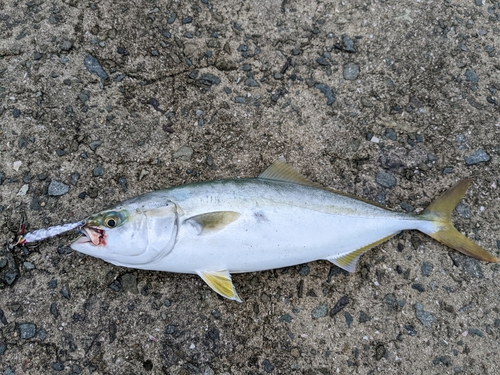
(351, 71)
(385, 179)
(319, 311)
(426, 268)
(327, 91)
(27, 330)
(470, 266)
(477, 157)
(183, 153)
(339, 306)
(57, 188)
(94, 67)
(425, 317)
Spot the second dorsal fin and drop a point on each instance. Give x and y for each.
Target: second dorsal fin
(281, 171)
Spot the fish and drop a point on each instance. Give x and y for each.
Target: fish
(279, 219)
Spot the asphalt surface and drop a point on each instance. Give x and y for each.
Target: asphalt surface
(392, 101)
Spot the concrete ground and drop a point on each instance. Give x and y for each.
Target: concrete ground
(389, 100)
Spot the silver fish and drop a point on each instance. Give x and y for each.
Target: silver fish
(279, 219)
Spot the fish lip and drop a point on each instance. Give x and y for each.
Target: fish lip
(92, 235)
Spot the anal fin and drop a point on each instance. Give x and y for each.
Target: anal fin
(220, 282)
(348, 261)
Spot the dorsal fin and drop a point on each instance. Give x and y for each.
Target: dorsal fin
(281, 171)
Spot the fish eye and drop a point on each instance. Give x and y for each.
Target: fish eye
(111, 221)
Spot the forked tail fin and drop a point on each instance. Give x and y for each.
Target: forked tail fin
(440, 212)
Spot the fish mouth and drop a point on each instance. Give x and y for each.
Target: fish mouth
(92, 235)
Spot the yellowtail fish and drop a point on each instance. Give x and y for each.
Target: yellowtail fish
(279, 219)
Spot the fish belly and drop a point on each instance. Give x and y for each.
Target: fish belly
(268, 238)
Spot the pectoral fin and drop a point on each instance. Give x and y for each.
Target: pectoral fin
(348, 261)
(220, 281)
(213, 221)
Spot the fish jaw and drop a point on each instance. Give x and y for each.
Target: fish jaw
(92, 235)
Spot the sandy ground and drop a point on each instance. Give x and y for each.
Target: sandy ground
(393, 101)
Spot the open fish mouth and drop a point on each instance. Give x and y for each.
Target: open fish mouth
(93, 235)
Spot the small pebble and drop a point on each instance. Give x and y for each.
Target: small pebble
(471, 76)
(65, 292)
(425, 317)
(385, 179)
(183, 153)
(351, 71)
(98, 171)
(27, 330)
(477, 157)
(93, 66)
(364, 317)
(348, 44)
(327, 91)
(28, 266)
(57, 188)
(268, 366)
(319, 311)
(426, 268)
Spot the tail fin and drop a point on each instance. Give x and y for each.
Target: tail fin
(440, 211)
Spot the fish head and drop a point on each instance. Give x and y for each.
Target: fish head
(130, 236)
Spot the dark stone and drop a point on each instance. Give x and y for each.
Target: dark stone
(351, 71)
(268, 366)
(410, 330)
(443, 360)
(213, 334)
(148, 365)
(94, 67)
(407, 207)
(426, 268)
(475, 332)
(57, 188)
(364, 317)
(304, 270)
(65, 292)
(122, 181)
(27, 330)
(471, 76)
(348, 44)
(380, 351)
(319, 311)
(73, 178)
(115, 285)
(419, 287)
(3, 319)
(2, 178)
(322, 61)
(94, 144)
(339, 306)
(477, 157)
(286, 318)
(334, 271)
(348, 319)
(209, 79)
(425, 317)
(58, 366)
(129, 283)
(471, 267)
(98, 171)
(327, 91)
(390, 301)
(53, 310)
(385, 179)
